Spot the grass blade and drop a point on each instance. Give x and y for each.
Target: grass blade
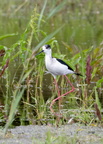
(56, 9)
(14, 105)
(46, 39)
(16, 99)
(41, 15)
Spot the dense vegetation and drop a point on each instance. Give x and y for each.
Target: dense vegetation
(74, 30)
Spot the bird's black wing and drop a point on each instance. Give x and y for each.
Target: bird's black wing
(62, 62)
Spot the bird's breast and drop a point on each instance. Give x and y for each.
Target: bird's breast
(48, 63)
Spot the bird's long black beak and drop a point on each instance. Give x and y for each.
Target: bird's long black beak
(39, 52)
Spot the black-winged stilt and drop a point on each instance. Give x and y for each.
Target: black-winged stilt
(57, 67)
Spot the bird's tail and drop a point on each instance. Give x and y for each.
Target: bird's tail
(78, 74)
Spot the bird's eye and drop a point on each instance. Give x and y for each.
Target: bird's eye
(47, 46)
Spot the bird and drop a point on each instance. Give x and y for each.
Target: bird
(57, 67)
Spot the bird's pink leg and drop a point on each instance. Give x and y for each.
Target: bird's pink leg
(70, 85)
(59, 96)
(56, 85)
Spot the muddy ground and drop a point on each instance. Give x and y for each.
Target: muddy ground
(66, 134)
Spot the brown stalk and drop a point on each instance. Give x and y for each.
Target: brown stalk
(5, 66)
(2, 52)
(97, 112)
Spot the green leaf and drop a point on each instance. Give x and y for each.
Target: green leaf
(3, 47)
(8, 35)
(99, 82)
(97, 98)
(47, 38)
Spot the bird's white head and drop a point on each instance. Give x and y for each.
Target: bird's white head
(46, 49)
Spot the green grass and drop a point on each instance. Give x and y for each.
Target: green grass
(74, 30)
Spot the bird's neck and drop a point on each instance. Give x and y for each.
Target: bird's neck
(48, 55)
(48, 58)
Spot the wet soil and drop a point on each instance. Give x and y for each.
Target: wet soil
(67, 134)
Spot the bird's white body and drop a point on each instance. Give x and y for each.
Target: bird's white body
(54, 66)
